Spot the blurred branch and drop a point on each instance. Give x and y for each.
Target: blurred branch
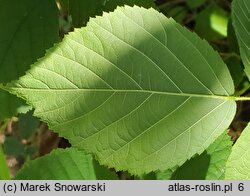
(228, 55)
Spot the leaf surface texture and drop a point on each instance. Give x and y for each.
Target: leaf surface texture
(210, 165)
(241, 23)
(128, 89)
(237, 167)
(60, 164)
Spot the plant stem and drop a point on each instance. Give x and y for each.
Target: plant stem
(242, 98)
(228, 55)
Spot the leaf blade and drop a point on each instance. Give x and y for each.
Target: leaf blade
(240, 13)
(237, 164)
(61, 164)
(210, 165)
(4, 173)
(31, 28)
(110, 90)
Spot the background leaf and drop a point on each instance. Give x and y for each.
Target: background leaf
(27, 125)
(60, 164)
(12, 146)
(103, 173)
(4, 171)
(210, 165)
(236, 69)
(8, 104)
(136, 108)
(241, 22)
(237, 167)
(65, 164)
(28, 28)
(231, 38)
(81, 11)
(31, 28)
(195, 3)
(211, 23)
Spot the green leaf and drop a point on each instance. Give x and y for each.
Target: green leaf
(237, 167)
(235, 67)
(232, 42)
(9, 104)
(110, 5)
(61, 164)
(4, 171)
(13, 146)
(210, 165)
(149, 176)
(103, 173)
(81, 11)
(193, 169)
(165, 175)
(28, 27)
(27, 125)
(219, 152)
(178, 13)
(125, 89)
(211, 23)
(241, 23)
(195, 3)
